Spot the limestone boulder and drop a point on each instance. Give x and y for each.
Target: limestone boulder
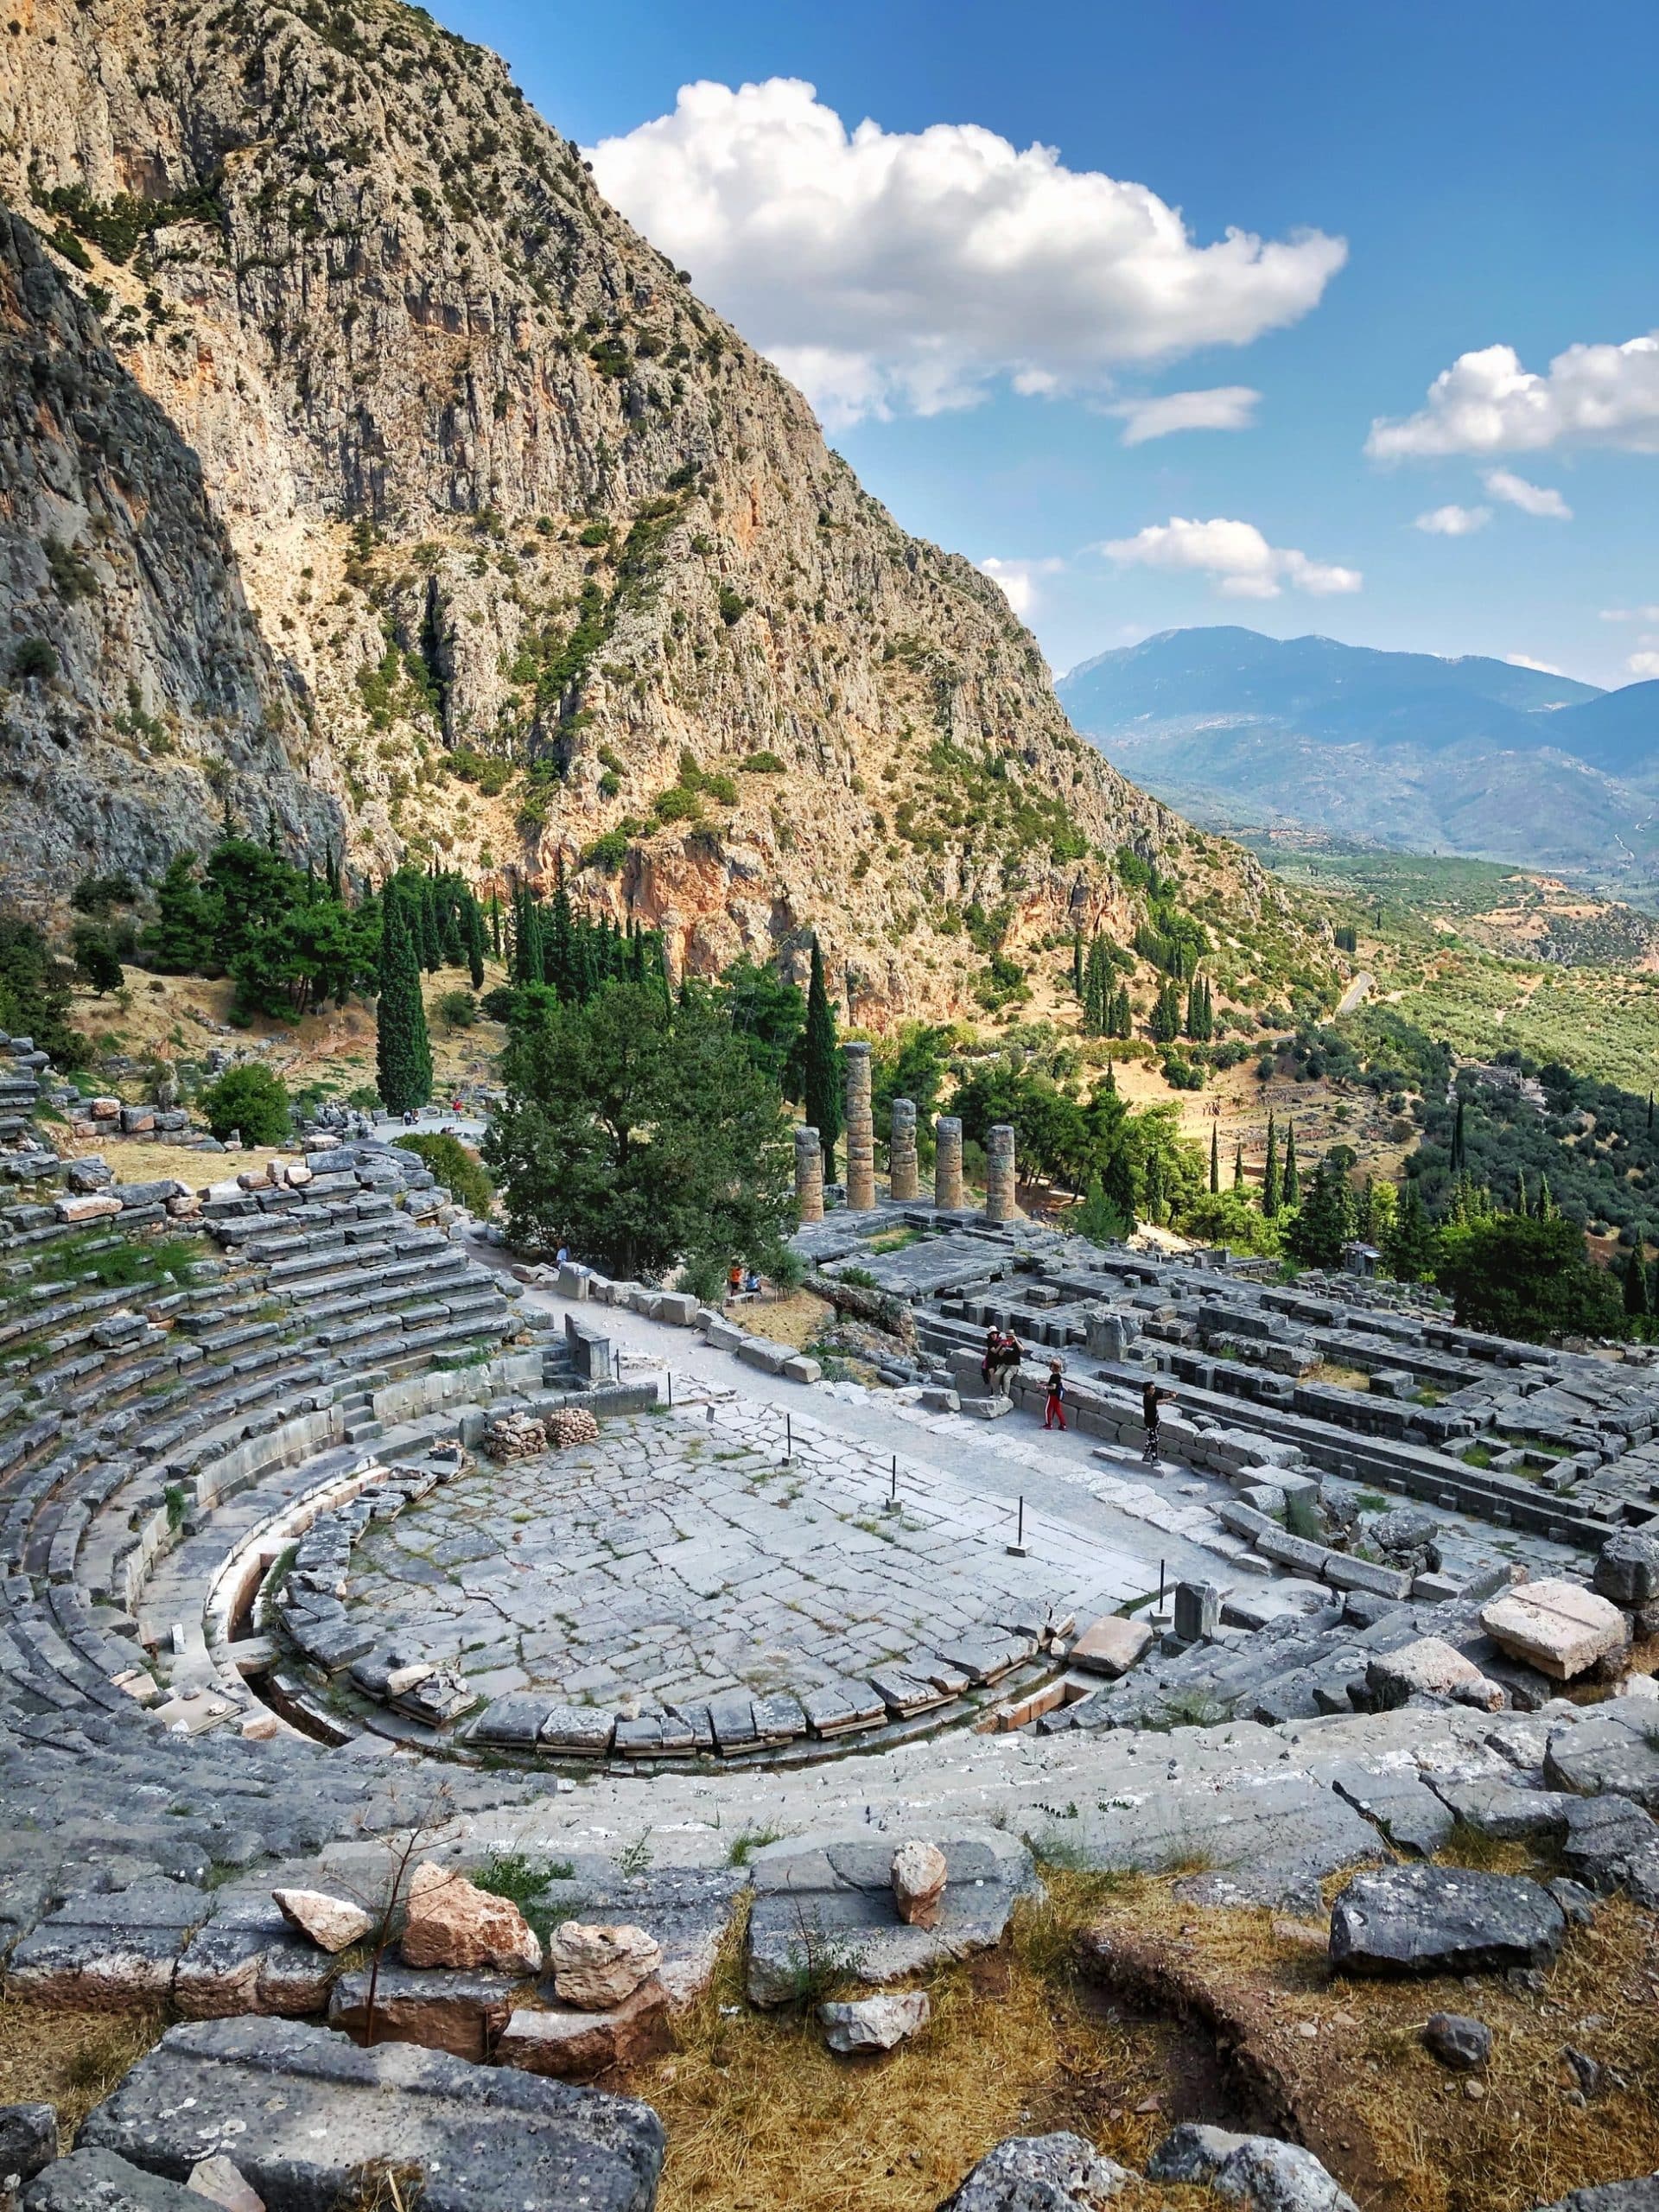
(873, 2023)
(918, 1878)
(595, 1967)
(29, 2141)
(451, 1923)
(1559, 1627)
(1458, 2042)
(568, 2044)
(333, 1923)
(1057, 2173)
(1627, 1568)
(1257, 2170)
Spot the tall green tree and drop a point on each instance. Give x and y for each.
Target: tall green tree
(475, 944)
(643, 1136)
(821, 1080)
(181, 938)
(1411, 1247)
(1325, 1220)
(1215, 1156)
(1638, 1300)
(1270, 1189)
(403, 1049)
(1291, 1191)
(1529, 1279)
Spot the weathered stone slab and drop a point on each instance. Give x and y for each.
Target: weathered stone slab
(1409, 1812)
(1111, 1645)
(570, 2044)
(1429, 1667)
(109, 1948)
(1501, 1810)
(1262, 1842)
(1039, 2173)
(1610, 1751)
(299, 2109)
(834, 1901)
(1627, 1568)
(97, 2181)
(439, 2010)
(1412, 1920)
(1559, 1627)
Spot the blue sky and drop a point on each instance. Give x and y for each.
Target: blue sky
(1493, 171)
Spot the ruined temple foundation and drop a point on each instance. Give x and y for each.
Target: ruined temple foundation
(947, 1163)
(999, 1173)
(808, 1174)
(903, 1183)
(861, 1131)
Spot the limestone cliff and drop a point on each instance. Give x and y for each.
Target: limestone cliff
(545, 562)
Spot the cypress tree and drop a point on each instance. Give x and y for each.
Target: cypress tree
(1215, 1158)
(1459, 1159)
(474, 943)
(1238, 1166)
(403, 1051)
(1649, 1113)
(1077, 961)
(449, 930)
(821, 1085)
(1293, 1183)
(1111, 1081)
(558, 957)
(1547, 1207)
(1637, 1302)
(495, 923)
(1270, 1174)
(431, 940)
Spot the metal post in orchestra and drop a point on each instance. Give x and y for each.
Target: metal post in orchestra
(890, 1503)
(1017, 1549)
(789, 1441)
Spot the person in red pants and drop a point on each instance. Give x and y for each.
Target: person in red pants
(1054, 1408)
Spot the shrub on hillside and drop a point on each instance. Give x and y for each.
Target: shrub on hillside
(251, 1099)
(457, 1167)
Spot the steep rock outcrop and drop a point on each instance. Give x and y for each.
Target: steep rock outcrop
(557, 568)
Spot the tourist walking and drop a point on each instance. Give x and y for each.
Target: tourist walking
(1053, 1406)
(1151, 1398)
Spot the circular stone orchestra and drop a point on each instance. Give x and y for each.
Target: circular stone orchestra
(670, 1588)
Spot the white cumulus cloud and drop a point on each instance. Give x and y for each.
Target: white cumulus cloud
(887, 270)
(1525, 660)
(1453, 521)
(1225, 407)
(1018, 578)
(1234, 554)
(1629, 614)
(1487, 403)
(1531, 498)
(1643, 665)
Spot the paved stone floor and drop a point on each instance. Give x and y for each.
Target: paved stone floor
(682, 1556)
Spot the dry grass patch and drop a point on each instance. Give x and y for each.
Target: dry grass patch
(761, 2118)
(794, 1321)
(69, 2056)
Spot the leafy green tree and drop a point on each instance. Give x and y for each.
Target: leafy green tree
(424, 925)
(402, 1050)
(181, 940)
(643, 1136)
(1227, 1218)
(97, 958)
(821, 1081)
(1528, 1278)
(456, 1166)
(1638, 1300)
(766, 1011)
(457, 1010)
(912, 1064)
(251, 1099)
(1099, 1218)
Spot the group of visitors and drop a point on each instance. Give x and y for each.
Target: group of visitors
(1000, 1364)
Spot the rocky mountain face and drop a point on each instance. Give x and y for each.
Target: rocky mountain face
(503, 547)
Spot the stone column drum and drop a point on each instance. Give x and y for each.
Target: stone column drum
(999, 1173)
(808, 1174)
(947, 1163)
(903, 1182)
(861, 1131)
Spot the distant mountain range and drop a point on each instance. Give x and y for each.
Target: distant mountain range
(1405, 750)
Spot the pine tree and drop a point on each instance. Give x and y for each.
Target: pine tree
(821, 1087)
(1292, 1193)
(558, 959)
(1215, 1158)
(1270, 1198)
(1411, 1246)
(181, 938)
(403, 1051)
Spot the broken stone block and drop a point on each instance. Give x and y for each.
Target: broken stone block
(450, 1923)
(333, 1923)
(1430, 1668)
(1112, 1645)
(97, 2181)
(595, 1967)
(1559, 1627)
(224, 2184)
(1627, 1568)
(1198, 1611)
(918, 1878)
(29, 2141)
(570, 2044)
(1411, 1920)
(438, 2008)
(874, 2023)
